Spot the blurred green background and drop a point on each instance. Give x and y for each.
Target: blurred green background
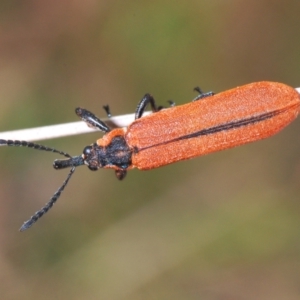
(223, 226)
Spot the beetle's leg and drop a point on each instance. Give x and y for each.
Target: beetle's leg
(120, 174)
(91, 119)
(145, 101)
(142, 105)
(202, 94)
(107, 110)
(171, 103)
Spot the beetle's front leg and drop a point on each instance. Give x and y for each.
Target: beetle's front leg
(91, 119)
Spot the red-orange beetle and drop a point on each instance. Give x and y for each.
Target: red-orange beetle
(209, 123)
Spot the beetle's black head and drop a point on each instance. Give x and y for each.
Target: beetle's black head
(89, 157)
(116, 155)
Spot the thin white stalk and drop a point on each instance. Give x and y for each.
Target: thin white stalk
(61, 130)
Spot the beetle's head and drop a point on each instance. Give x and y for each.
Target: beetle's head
(88, 157)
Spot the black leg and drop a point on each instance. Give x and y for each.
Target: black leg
(202, 94)
(142, 105)
(171, 103)
(145, 101)
(120, 174)
(91, 119)
(107, 110)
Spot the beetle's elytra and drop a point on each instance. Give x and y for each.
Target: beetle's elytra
(210, 123)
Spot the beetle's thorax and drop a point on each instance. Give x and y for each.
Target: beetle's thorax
(110, 152)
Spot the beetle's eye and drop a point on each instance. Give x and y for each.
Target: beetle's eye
(87, 151)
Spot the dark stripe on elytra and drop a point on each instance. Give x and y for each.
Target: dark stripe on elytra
(223, 127)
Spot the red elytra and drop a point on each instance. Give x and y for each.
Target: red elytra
(225, 120)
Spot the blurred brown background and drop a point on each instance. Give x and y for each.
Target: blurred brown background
(223, 226)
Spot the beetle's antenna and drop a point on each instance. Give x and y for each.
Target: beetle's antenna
(18, 143)
(58, 164)
(44, 209)
(72, 162)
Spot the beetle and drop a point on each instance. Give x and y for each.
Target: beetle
(209, 123)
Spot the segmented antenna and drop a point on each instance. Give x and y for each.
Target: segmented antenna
(18, 143)
(57, 194)
(48, 205)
